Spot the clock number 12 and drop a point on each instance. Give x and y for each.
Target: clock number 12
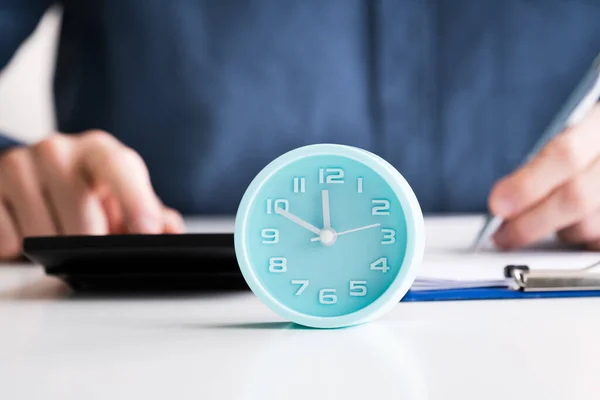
(331, 175)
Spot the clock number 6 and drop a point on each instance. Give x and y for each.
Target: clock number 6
(327, 296)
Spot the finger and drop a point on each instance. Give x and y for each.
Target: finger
(585, 231)
(113, 214)
(561, 159)
(10, 243)
(567, 205)
(23, 192)
(77, 209)
(105, 161)
(173, 221)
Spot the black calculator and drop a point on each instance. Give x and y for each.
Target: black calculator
(132, 263)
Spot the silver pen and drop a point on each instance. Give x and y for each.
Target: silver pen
(578, 105)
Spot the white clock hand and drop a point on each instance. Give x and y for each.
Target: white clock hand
(325, 204)
(348, 231)
(297, 220)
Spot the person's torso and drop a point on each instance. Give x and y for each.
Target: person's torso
(452, 93)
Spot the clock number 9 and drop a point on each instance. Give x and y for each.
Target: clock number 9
(327, 296)
(277, 264)
(270, 235)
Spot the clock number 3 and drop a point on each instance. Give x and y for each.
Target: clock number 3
(389, 236)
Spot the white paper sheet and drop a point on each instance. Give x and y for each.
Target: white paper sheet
(449, 256)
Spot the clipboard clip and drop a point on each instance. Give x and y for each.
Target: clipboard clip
(522, 278)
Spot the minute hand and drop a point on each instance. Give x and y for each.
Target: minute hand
(297, 220)
(349, 231)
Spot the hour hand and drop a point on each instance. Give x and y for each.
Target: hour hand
(297, 220)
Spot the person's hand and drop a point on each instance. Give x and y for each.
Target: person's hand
(558, 191)
(88, 184)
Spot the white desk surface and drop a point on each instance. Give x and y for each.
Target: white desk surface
(230, 346)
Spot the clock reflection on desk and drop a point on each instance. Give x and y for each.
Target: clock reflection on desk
(369, 361)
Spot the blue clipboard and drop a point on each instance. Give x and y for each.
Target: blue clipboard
(496, 293)
(524, 284)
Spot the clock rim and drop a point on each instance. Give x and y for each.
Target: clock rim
(415, 243)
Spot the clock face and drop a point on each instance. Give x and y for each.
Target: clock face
(324, 235)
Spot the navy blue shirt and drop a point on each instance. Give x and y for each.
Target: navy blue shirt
(453, 93)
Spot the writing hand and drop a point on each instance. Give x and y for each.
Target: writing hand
(297, 220)
(557, 191)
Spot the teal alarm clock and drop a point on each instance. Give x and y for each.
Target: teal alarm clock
(329, 236)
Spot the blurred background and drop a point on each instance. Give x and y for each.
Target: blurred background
(26, 106)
